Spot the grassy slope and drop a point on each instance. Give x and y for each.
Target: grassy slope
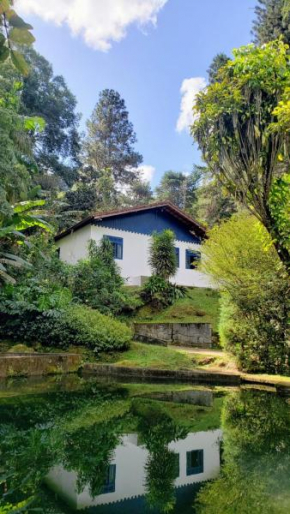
(200, 305)
(160, 357)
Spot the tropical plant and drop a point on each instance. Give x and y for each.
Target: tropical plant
(236, 129)
(159, 293)
(14, 31)
(162, 255)
(12, 231)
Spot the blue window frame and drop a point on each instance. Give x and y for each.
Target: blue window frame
(117, 244)
(110, 481)
(192, 259)
(194, 462)
(177, 253)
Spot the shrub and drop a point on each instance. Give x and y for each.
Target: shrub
(161, 293)
(97, 282)
(76, 325)
(83, 326)
(256, 294)
(162, 257)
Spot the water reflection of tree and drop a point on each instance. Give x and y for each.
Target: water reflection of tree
(157, 429)
(256, 470)
(42, 432)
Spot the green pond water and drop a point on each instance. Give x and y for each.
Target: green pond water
(69, 444)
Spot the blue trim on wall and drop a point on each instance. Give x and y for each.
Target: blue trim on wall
(147, 222)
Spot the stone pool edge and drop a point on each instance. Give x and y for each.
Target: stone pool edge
(213, 377)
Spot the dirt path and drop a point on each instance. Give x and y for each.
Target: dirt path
(200, 351)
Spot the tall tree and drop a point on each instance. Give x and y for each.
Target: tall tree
(237, 130)
(179, 188)
(140, 193)
(272, 21)
(213, 203)
(57, 147)
(217, 63)
(111, 138)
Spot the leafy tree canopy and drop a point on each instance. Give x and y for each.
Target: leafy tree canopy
(238, 131)
(179, 188)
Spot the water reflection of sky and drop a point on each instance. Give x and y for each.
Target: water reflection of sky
(197, 460)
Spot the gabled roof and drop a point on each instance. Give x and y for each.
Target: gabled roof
(192, 225)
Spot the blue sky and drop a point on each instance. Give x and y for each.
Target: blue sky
(148, 63)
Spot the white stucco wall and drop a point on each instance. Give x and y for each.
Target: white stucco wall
(130, 460)
(134, 264)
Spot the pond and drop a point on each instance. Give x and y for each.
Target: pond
(70, 444)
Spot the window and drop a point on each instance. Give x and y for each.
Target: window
(192, 259)
(117, 243)
(176, 465)
(109, 485)
(177, 256)
(194, 462)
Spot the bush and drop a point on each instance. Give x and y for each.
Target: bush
(97, 282)
(83, 326)
(76, 325)
(160, 293)
(256, 294)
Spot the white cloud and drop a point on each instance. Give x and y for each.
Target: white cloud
(99, 22)
(146, 172)
(189, 90)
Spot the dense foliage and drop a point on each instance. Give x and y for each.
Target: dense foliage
(160, 293)
(254, 474)
(272, 21)
(179, 188)
(111, 138)
(59, 324)
(97, 281)
(255, 308)
(162, 256)
(239, 133)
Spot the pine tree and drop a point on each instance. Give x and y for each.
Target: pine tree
(272, 21)
(218, 62)
(111, 138)
(179, 188)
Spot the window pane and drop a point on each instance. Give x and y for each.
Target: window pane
(109, 485)
(176, 465)
(194, 462)
(117, 244)
(177, 256)
(192, 259)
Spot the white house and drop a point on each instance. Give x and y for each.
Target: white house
(129, 231)
(198, 457)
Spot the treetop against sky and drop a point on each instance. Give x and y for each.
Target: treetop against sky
(154, 52)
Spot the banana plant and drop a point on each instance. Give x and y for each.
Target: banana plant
(25, 215)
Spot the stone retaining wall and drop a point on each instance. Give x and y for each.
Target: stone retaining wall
(34, 364)
(179, 334)
(196, 376)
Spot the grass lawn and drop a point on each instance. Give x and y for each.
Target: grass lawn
(161, 357)
(201, 305)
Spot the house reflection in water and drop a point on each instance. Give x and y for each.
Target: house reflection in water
(198, 457)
